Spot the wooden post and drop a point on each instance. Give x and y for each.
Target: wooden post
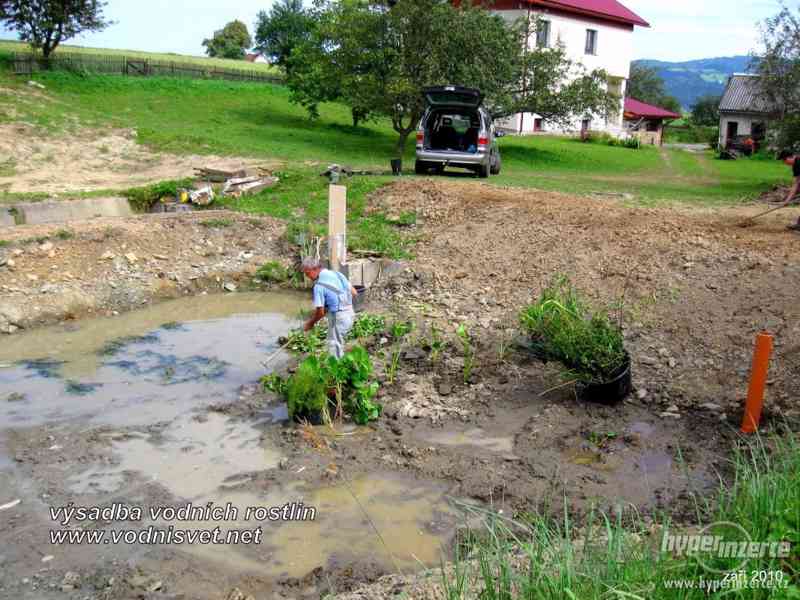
(337, 226)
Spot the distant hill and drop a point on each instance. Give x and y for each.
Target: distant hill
(689, 80)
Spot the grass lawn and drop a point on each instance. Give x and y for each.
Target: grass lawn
(258, 120)
(22, 47)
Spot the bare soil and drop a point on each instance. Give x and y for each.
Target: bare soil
(88, 160)
(50, 273)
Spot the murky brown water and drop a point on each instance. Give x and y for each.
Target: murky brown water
(164, 364)
(473, 437)
(143, 365)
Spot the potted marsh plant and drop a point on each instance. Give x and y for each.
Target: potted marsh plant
(563, 328)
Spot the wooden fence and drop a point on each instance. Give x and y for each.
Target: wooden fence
(27, 64)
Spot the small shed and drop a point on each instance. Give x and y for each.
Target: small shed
(743, 112)
(646, 121)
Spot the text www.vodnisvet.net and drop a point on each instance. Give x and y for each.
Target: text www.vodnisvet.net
(156, 536)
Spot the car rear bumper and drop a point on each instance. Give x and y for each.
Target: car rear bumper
(455, 159)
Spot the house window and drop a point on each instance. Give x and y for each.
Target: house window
(543, 34)
(591, 41)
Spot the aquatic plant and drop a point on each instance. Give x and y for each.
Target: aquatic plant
(436, 344)
(116, 346)
(469, 351)
(367, 325)
(75, 388)
(300, 342)
(349, 379)
(565, 329)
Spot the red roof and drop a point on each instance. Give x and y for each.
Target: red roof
(641, 109)
(602, 9)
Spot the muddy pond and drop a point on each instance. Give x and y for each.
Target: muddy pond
(115, 411)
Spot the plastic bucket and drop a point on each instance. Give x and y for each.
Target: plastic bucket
(361, 299)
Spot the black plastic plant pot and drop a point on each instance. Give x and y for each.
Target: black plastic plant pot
(314, 417)
(610, 392)
(397, 166)
(360, 299)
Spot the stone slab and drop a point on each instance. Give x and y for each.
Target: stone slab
(63, 211)
(6, 218)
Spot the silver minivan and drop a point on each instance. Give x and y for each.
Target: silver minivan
(456, 131)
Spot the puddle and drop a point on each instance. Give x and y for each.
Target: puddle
(655, 464)
(145, 365)
(192, 461)
(642, 429)
(411, 517)
(473, 437)
(414, 519)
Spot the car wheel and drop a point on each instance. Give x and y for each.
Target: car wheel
(495, 170)
(483, 171)
(420, 168)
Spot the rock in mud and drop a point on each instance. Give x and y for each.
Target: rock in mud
(237, 594)
(444, 389)
(71, 581)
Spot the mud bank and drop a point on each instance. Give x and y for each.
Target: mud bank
(55, 273)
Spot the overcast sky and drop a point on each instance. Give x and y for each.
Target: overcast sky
(681, 29)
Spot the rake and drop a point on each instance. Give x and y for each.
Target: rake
(750, 221)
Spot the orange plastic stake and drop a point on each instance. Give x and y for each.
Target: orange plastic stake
(758, 382)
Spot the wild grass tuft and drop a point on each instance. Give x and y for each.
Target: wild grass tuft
(606, 557)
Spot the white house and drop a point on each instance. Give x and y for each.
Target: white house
(596, 33)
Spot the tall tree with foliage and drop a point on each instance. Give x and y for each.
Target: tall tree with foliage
(646, 85)
(705, 111)
(232, 41)
(779, 71)
(47, 23)
(279, 31)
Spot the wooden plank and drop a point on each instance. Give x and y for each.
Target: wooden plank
(337, 226)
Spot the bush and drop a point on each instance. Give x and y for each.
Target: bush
(272, 272)
(564, 329)
(142, 198)
(606, 139)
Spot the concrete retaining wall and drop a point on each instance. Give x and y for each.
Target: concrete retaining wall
(6, 218)
(63, 211)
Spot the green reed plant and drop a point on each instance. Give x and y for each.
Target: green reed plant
(565, 329)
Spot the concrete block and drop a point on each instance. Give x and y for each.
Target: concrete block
(6, 218)
(366, 271)
(63, 211)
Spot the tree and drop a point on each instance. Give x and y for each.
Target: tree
(377, 59)
(282, 29)
(47, 23)
(646, 85)
(779, 81)
(232, 41)
(706, 111)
